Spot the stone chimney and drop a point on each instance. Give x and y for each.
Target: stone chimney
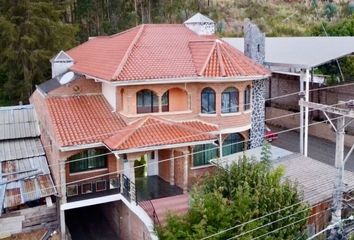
(201, 24)
(254, 42)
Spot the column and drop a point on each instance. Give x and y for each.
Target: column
(160, 102)
(258, 113)
(120, 171)
(185, 171)
(172, 168)
(132, 180)
(63, 199)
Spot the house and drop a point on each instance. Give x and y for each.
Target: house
(27, 190)
(172, 96)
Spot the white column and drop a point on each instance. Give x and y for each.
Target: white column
(63, 199)
(220, 145)
(172, 168)
(307, 99)
(302, 77)
(132, 180)
(185, 171)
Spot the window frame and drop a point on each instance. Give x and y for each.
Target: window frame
(247, 97)
(211, 101)
(233, 143)
(147, 101)
(230, 107)
(88, 161)
(202, 151)
(165, 101)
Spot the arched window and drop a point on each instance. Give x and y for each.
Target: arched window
(232, 144)
(88, 160)
(229, 101)
(247, 98)
(165, 102)
(208, 101)
(147, 101)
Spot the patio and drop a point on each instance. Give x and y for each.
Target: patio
(153, 187)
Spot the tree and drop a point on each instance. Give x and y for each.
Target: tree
(31, 32)
(232, 196)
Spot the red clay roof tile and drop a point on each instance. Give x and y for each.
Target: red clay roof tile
(155, 51)
(153, 131)
(82, 119)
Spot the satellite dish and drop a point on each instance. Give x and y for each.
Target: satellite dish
(66, 78)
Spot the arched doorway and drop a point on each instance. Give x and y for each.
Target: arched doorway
(233, 143)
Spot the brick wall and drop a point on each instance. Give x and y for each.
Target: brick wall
(126, 223)
(321, 130)
(164, 166)
(179, 168)
(85, 86)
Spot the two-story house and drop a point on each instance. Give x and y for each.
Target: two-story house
(171, 95)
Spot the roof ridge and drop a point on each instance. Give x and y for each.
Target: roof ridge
(207, 60)
(233, 61)
(128, 52)
(220, 60)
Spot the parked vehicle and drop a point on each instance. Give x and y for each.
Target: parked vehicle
(270, 136)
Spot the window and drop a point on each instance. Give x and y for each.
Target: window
(147, 102)
(232, 144)
(204, 153)
(229, 101)
(208, 101)
(247, 98)
(165, 102)
(88, 160)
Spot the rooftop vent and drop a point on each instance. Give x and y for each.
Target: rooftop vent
(201, 24)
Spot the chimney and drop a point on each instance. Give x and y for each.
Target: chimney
(61, 63)
(254, 42)
(201, 24)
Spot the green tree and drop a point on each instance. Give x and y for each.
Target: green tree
(229, 197)
(31, 32)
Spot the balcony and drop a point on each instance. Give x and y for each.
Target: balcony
(92, 188)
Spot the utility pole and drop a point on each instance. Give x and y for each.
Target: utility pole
(343, 110)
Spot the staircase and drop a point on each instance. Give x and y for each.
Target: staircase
(163, 206)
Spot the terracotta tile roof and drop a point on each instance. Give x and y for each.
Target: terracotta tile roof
(153, 131)
(82, 119)
(201, 126)
(157, 51)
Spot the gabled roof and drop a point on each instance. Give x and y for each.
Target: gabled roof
(155, 51)
(82, 119)
(153, 131)
(199, 18)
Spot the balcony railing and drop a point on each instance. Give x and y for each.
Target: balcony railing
(97, 187)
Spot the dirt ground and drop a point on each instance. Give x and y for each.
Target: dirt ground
(35, 235)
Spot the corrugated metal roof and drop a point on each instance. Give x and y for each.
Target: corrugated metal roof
(24, 171)
(305, 51)
(316, 179)
(20, 148)
(18, 122)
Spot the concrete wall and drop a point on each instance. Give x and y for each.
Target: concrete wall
(126, 223)
(29, 219)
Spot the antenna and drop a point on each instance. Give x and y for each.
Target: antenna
(66, 78)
